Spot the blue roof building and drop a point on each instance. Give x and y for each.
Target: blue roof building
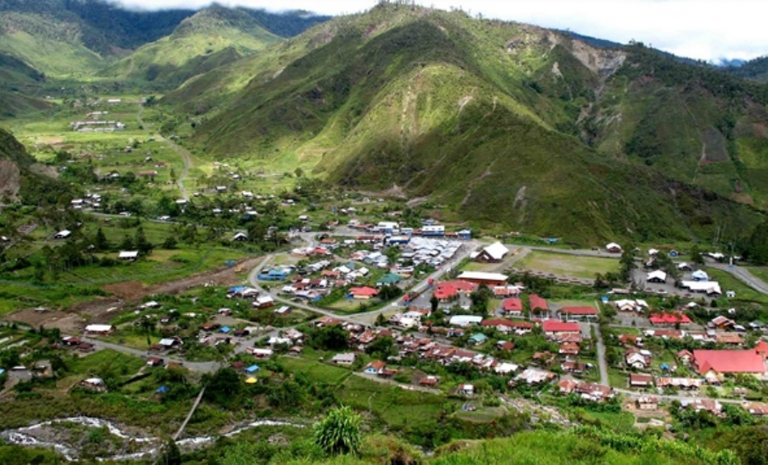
(252, 369)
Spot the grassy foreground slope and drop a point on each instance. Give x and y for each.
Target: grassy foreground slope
(480, 115)
(211, 38)
(587, 446)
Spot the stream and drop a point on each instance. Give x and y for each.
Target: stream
(24, 437)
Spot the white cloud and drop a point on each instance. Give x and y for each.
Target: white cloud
(703, 29)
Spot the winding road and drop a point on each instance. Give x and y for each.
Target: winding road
(185, 156)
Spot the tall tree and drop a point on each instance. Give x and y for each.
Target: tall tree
(100, 242)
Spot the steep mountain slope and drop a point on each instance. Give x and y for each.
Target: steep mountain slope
(211, 38)
(483, 116)
(693, 123)
(56, 46)
(20, 176)
(18, 83)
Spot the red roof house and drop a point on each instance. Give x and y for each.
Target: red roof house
(579, 312)
(512, 305)
(538, 303)
(447, 290)
(762, 348)
(728, 361)
(363, 292)
(553, 327)
(669, 319)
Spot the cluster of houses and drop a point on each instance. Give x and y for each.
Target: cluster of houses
(392, 228)
(97, 126)
(710, 366)
(88, 201)
(416, 250)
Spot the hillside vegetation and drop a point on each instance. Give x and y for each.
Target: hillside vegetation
(76, 39)
(581, 446)
(20, 178)
(210, 39)
(17, 87)
(490, 119)
(756, 69)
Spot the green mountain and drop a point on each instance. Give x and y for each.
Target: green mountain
(18, 82)
(504, 124)
(756, 70)
(695, 124)
(77, 38)
(209, 39)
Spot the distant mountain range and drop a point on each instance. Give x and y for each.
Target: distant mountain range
(506, 125)
(76, 38)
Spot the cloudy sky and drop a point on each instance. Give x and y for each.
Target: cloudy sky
(703, 29)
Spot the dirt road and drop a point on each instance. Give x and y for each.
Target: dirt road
(185, 156)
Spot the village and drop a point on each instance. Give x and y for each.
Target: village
(447, 314)
(156, 284)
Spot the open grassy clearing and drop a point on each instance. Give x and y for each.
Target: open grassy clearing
(730, 283)
(567, 265)
(107, 360)
(398, 407)
(316, 371)
(759, 272)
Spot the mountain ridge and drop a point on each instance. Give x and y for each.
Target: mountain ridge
(485, 117)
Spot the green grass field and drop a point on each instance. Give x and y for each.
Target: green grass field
(316, 371)
(567, 265)
(397, 407)
(730, 283)
(121, 364)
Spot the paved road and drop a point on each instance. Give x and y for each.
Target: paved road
(182, 153)
(679, 397)
(743, 274)
(204, 367)
(601, 358)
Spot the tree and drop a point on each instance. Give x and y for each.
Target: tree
(339, 431)
(223, 387)
(627, 262)
(127, 243)
(330, 338)
(148, 326)
(100, 241)
(434, 302)
(173, 175)
(10, 358)
(381, 347)
(756, 248)
(169, 243)
(142, 244)
(171, 454)
(696, 256)
(299, 172)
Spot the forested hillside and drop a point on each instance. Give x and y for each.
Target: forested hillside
(497, 121)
